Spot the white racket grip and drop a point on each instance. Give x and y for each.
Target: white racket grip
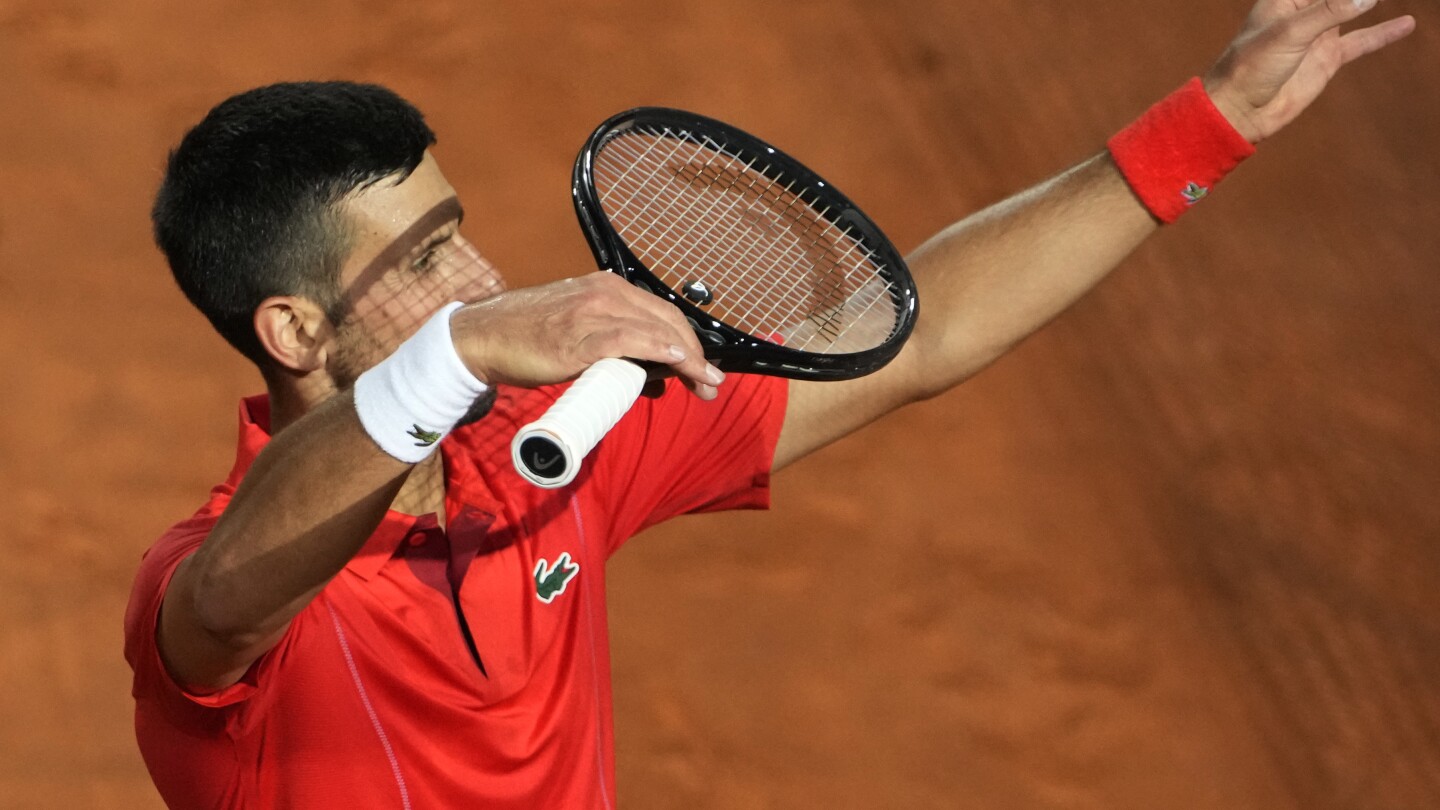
(548, 451)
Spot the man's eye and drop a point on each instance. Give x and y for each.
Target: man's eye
(426, 261)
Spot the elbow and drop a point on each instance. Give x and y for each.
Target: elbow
(934, 365)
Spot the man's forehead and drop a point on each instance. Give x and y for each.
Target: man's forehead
(443, 213)
(395, 203)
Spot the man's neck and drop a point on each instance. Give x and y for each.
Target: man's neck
(293, 396)
(423, 492)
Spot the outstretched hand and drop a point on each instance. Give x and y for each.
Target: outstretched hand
(1286, 54)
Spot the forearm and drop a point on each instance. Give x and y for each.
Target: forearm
(306, 506)
(994, 278)
(312, 498)
(985, 283)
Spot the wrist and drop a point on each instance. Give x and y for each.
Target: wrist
(469, 343)
(412, 399)
(1235, 110)
(1174, 154)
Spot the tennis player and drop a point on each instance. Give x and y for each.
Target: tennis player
(372, 609)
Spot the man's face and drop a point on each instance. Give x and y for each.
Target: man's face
(408, 259)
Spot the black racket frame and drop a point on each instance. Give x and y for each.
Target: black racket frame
(730, 349)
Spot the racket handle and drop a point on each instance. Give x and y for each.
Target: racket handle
(548, 451)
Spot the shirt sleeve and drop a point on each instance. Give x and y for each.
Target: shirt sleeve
(678, 454)
(152, 684)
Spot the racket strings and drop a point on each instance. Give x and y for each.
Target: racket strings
(679, 232)
(675, 227)
(828, 305)
(778, 267)
(756, 255)
(822, 314)
(827, 292)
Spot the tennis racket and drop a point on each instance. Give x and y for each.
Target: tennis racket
(776, 270)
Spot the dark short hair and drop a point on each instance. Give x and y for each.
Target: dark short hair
(248, 206)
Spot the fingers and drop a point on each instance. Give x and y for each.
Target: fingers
(1356, 44)
(1287, 54)
(1311, 22)
(654, 341)
(644, 327)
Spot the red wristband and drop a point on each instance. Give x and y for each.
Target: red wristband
(1177, 151)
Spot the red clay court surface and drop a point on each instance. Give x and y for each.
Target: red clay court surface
(1180, 550)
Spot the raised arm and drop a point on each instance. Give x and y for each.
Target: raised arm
(992, 279)
(321, 486)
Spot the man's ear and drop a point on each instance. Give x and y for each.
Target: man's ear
(294, 331)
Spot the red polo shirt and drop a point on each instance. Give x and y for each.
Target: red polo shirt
(458, 668)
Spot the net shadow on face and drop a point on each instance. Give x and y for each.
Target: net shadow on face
(427, 266)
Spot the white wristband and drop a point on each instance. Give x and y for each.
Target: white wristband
(410, 400)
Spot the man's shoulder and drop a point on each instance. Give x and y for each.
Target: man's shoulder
(193, 529)
(158, 562)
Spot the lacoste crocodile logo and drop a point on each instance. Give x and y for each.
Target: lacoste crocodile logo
(1194, 193)
(550, 580)
(425, 437)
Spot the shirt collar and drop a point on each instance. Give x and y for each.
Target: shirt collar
(255, 434)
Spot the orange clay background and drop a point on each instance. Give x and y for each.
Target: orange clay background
(1179, 550)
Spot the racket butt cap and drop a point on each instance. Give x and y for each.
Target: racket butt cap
(543, 459)
(548, 451)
